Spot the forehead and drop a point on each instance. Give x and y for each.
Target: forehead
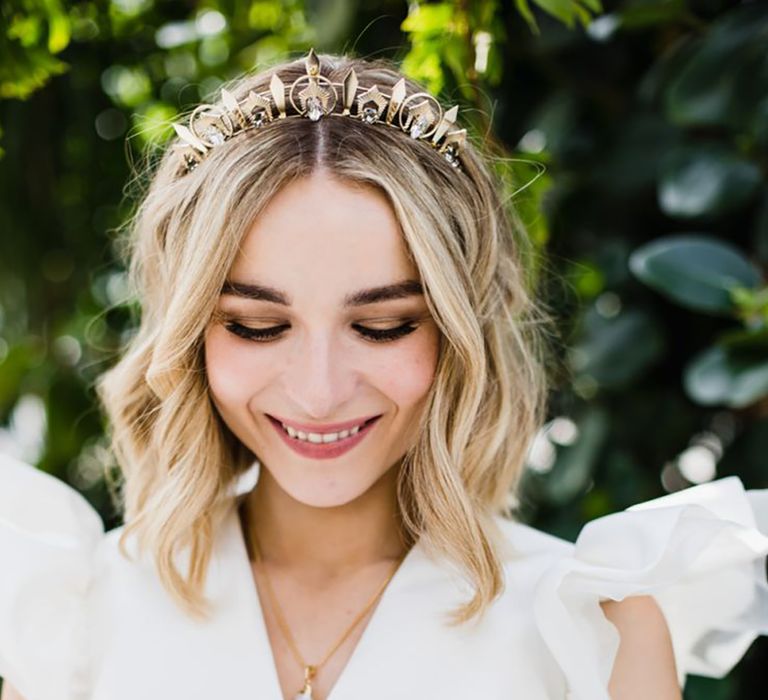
(325, 235)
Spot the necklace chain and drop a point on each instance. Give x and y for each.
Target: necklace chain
(310, 670)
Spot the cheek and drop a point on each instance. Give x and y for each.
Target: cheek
(233, 372)
(406, 376)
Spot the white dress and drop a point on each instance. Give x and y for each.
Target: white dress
(80, 622)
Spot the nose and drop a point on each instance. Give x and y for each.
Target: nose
(319, 378)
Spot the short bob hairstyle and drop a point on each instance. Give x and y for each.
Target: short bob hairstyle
(178, 458)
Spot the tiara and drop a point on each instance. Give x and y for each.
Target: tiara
(314, 96)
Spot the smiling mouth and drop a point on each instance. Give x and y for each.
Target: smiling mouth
(316, 438)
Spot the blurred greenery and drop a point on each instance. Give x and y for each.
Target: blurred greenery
(650, 116)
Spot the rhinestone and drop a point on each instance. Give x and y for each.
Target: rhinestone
(370, 114)
(257, 119)
(314, 108)
(418, 126)
(451, 155)
(213, 135)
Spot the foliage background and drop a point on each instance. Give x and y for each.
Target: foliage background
(650, 116)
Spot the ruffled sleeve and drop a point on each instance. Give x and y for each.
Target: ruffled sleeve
(700, 552)
(48, 537)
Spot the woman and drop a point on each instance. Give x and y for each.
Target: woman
(327, 405)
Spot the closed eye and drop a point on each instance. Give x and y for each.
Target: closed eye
(378, 335)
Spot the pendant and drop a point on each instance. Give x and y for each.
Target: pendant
(306, 692)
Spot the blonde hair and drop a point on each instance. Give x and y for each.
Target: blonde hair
(177, 456)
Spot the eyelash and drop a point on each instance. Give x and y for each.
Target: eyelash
(262, 335)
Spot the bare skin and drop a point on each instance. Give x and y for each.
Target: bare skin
(329, 529)
(330, 532)
(10, 693)
(645, 663)
(320, 600)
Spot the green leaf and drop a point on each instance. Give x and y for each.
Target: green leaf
(429, 19)
(586, 278)
(694, 270)
(422, 63)
(724, 76)
(750, 339)
(730, 376)
(27, 30)
(705, 181)
(647, 14)
(59, 32)
(265, 16)
(525, 11)
(564, 10)
(616, 351)
(569, 10)
(595, 5)
(27, 71)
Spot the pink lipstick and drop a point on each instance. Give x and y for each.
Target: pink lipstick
(324, 450)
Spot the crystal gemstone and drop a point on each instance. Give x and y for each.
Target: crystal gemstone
(214, 136)
(370, 115)
(314, 110)
(417, 128)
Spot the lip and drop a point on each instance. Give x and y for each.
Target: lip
(324, 450)
(324, 428)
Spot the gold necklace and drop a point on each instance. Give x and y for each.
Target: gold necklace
(310, 670)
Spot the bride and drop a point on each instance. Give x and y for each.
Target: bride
(323, 415)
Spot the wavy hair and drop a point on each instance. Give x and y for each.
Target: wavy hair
(178, 458)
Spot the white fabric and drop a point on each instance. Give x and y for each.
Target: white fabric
(78, 621)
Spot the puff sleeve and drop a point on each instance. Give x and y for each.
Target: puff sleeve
(48, 538)
(700, 552)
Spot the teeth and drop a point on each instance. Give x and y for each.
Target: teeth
(320, 438)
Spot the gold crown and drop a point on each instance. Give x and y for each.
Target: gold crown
(419, 115)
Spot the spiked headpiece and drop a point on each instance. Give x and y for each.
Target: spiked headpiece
(314, 96)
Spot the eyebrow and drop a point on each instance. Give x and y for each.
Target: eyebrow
(362, 297)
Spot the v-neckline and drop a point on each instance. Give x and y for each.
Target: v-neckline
(262, 636)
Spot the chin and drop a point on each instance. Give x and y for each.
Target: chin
(324, 497)
(326, 487)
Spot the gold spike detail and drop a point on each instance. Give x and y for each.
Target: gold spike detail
(457, 138)
(233, 107)
(396, 99)
(448, 120)
(315, 92)
(423, 115)
(372, 94)
(277, 88)
(189, 138)
(313, 63)
(350, 90)
(254, 102)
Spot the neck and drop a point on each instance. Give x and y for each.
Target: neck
(327, 541)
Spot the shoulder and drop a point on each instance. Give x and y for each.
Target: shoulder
(520, 543)
(671, 586)
(49, 538)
